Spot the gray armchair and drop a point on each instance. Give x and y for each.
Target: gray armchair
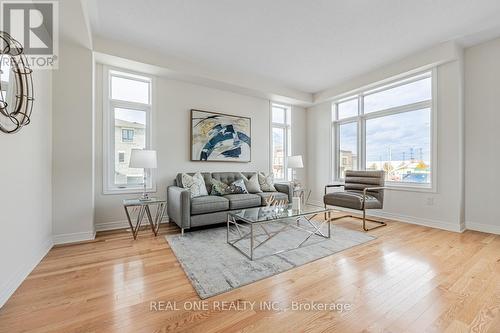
(362, 190)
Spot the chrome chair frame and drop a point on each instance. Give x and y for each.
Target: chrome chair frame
(364, 218)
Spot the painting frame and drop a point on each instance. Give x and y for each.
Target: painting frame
(193, 144)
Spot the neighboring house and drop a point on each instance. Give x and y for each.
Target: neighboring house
(128, 135)
(348, 161)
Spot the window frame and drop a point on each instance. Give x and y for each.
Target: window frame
(109, 105)
(362, 118)
(287, 140)
(128, 130)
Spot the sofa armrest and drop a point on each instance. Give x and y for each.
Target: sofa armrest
(179, 206)
(286, 188)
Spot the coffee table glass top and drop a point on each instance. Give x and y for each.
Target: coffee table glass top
(262, 214)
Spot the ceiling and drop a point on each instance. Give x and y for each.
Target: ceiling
(301, 44)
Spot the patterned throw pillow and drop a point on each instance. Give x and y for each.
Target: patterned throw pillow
(266, 182)
(252, 184)
(219, 188)
(196, 184)
(238, 187)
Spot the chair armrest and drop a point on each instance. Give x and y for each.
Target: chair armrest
(366, 189)
(286, 188)
(333, 185)
(179, 206)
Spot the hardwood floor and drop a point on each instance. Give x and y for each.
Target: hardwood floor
(410, 279)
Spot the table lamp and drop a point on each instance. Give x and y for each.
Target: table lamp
(295, 162)
(143, 159)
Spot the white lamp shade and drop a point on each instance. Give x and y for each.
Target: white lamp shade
(145, 159)
(295, 162)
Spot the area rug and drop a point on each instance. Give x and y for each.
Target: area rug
(215, 267)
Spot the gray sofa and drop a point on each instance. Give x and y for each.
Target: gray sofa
(189, 212)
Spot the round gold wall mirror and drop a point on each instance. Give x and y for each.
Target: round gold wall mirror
(16, 85)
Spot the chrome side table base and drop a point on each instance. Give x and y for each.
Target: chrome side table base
(247, 230)
(143, 208)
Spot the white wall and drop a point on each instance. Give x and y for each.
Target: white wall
(73, 145)
(299, 140)
(482, 115)
(171, 131)
(26, 191)
(440, 209)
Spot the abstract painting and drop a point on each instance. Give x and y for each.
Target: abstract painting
(220, 137)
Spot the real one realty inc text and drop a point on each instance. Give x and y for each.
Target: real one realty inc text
(242, 305)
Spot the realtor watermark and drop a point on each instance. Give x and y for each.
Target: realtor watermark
(35, 25)
(249, 305)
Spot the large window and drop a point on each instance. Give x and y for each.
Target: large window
(127, 125)
(387, 128)
(281, 140)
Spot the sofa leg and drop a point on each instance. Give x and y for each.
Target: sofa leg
(380, 223)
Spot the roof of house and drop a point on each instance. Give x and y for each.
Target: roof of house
(128, 124)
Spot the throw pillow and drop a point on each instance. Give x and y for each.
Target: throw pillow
(266, 182)
(238, 187)
(219, 188)
(252, 184)
(196, 184)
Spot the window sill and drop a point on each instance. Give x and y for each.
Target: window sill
(402, 187)
(410, 187)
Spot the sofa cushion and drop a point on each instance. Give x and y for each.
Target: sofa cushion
(207, 177)
(266, 182)
(238, 201)
(238, 187)
(196, 184)
(219, 188)
(277, 195)
(208, 204)
(252, 183)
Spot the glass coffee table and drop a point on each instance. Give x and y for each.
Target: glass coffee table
(253, 225)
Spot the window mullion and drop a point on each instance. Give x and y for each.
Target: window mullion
(361, 134)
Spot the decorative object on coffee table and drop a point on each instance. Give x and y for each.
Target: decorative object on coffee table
(16, 97)
(141, 207)
(220, 137)
(144, 159)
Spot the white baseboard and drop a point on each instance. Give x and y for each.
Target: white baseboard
(13, 282)
(121, 224)
(403, 218)
(73, 237)
(419, 221)
(488, 228)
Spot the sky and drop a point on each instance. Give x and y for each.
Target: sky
(398, 133)
(396, 137)
(131, 115)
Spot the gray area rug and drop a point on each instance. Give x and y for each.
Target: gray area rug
(215, 267)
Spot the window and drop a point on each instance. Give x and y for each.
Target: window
(127, 135)
(348, 152)
(281, 140)
(121, 157)
(387, 128)
(127, 108)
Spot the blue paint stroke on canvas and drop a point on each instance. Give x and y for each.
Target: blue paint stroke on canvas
(223, 139)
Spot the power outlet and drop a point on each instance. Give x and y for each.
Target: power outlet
(430, 201)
